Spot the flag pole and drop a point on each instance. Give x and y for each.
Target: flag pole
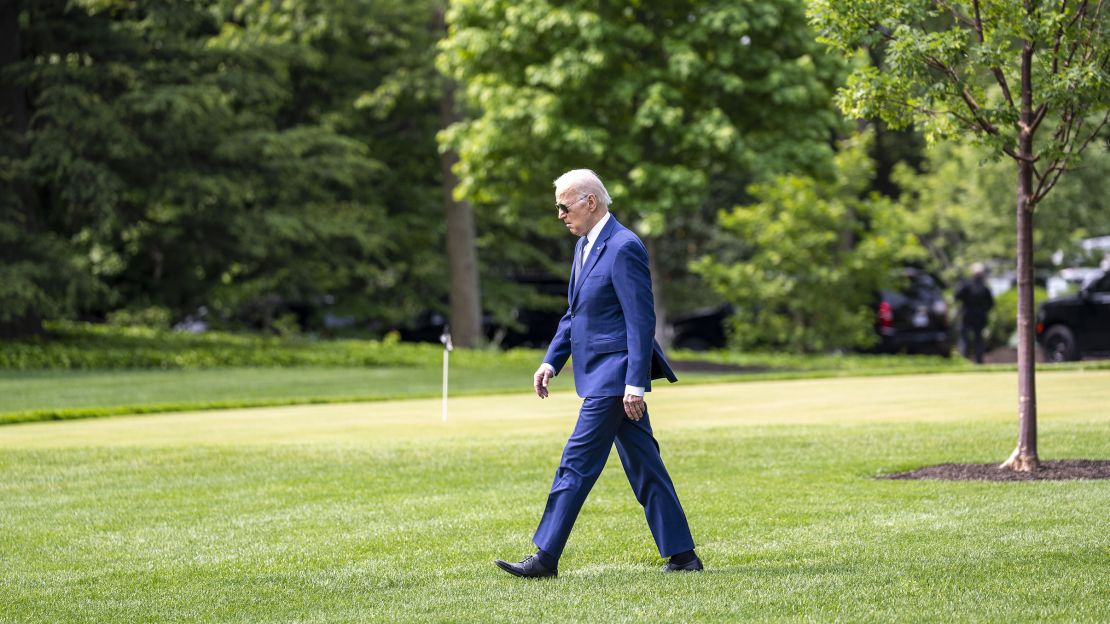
(445, 338)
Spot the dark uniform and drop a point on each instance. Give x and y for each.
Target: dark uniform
(976, 302)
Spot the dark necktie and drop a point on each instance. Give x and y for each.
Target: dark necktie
(577, 263)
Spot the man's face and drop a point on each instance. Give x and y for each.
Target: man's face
(576, 210)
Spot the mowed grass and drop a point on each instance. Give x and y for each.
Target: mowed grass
(381, 512)
(29, 396)
(156, 390)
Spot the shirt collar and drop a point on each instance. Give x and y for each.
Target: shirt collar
(596, 229)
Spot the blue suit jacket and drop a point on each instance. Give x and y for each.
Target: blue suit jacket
(609, 327)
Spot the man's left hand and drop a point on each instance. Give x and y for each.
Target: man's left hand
(634, 406)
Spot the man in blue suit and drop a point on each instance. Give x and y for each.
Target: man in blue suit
(609, 330)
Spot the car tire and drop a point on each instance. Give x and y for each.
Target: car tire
(1059, 345)
(942, 349)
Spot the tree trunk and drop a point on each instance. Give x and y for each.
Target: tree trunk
(462, 250)
(657, 294)
(1024, 457)
(464, 291)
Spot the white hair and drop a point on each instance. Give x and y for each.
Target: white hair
(583, 181)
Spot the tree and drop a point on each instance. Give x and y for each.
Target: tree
(365, 72)
(961, 207)
(810, 256)
(462, 249)
(228, 154)
(663, 99)
(44, 271)
(996, 73)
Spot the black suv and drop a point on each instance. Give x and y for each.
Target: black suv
(1070, 327)
(701, 330)
(914, 317)
(533, 328)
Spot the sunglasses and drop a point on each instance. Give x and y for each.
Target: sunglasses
(564, 208)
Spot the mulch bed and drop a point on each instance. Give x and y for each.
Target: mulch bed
(1060, 470)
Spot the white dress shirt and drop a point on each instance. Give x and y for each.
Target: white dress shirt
(591, 236)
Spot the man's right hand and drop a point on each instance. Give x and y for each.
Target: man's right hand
(540, 381)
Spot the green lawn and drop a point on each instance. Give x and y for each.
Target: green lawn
(88, 370)
(62, 394)
(84, 392)
(57, 394)
(381, 512)
(27, 396)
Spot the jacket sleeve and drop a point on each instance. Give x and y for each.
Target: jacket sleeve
(559, 350)
(632, 282)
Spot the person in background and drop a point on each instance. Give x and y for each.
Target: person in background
(976, 302)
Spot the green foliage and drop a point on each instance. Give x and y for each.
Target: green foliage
(809, 258)
(676, 104)
(235, 155)
(153, 317)
(955, 71)
(945, 63)
(286, 325)
(40, 273)
(961, 205)
(86, 346)
(364, 71)
(1002, 323)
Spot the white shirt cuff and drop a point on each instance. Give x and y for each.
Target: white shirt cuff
(634, 390)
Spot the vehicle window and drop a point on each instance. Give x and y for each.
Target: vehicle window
(919, 286)
(1102, 285)
(924, 280)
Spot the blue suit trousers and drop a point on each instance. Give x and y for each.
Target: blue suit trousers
(600, 422)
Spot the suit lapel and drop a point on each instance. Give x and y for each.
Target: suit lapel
(573, 286)
(595, 253)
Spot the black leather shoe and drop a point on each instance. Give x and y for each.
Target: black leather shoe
(690, 566)
(529, 568)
